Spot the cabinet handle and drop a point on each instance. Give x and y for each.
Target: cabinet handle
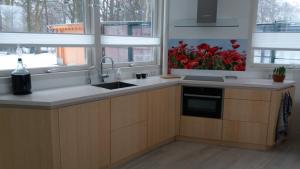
(202, 96)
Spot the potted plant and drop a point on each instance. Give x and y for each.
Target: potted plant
(279, 74)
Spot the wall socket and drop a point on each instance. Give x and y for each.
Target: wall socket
(152, 73)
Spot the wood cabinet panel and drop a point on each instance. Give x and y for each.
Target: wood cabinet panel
(246, 110)
(245, 132)
(128, 110)
(128, 141)
(29, 139)
(178, 109)
(247, 94)
(161, 115)
(84, 135)
(201, 128)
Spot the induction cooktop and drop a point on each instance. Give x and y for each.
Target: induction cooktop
(205, 78)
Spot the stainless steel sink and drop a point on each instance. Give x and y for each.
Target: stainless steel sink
(114, 85)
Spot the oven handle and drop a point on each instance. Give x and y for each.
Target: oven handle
(202, 96)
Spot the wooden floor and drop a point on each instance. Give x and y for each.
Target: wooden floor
(185, 155)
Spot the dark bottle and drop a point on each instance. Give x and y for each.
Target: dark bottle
(21, 80)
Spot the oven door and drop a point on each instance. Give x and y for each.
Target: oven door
(202, 106)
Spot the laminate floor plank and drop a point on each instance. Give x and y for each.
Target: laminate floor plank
(187, 155)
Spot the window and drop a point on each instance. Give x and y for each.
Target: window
(129, 31)
(276, 40)
(50, 32)
(63, 34)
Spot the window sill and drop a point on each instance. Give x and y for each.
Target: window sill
(272, 66)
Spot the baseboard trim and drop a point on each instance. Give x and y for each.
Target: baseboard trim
(224, 143)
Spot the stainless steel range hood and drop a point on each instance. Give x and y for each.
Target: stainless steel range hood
(207, 17)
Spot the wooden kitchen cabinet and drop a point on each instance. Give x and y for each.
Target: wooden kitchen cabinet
(247, 94)
(246, 110)
(250, 115)
(162, 115)
(127, 110)
(128, 126)
(127, 142)
(85, 135)
(245, 132)
(246, 115)
(205, 128)
(29, 139)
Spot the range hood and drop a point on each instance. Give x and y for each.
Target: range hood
(207, 17)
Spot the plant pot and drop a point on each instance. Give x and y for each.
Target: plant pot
(278, 78)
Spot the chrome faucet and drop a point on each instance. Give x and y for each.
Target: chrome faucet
(103, 75)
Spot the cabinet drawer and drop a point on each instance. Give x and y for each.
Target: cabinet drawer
(201, 128)
(247, 94)
(128, 141)
(128, 110)
(246, 110)
(244, 132)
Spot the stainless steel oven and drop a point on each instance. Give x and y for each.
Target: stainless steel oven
(202, 102)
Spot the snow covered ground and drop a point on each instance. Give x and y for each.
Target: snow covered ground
(30, 60)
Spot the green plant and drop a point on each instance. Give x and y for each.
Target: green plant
(279, 71)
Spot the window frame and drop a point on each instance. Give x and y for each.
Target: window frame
(57, 69)
(157, 27)
(94, 51)
(252, 48)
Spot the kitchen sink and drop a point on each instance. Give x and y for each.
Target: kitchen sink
(114, 85)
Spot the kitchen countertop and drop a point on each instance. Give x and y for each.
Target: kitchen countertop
(53, 98)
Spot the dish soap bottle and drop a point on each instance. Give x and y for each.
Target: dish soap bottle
(118, 76)
(21, 78)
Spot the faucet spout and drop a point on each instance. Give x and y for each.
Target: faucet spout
(102, 74)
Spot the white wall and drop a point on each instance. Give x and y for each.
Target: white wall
(243, 11)
(57, 80)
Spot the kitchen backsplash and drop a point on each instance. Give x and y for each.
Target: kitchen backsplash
(208, 54)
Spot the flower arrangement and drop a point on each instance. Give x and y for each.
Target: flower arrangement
(207, 57)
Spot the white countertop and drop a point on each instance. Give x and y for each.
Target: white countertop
(59, 97)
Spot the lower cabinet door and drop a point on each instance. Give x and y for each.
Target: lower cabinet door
(205, 128)
(245, 132)
(161, 115)
(84, 135)
(128, 141)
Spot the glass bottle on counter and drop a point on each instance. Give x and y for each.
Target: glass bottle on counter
(21, 78)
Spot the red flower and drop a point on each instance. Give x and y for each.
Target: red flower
(206, 57)
(194, 63)
(180, 57)
(203, 46)
(235, 46)
(213, 50)
(240, 67)
(191, 65)
(184, 61)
